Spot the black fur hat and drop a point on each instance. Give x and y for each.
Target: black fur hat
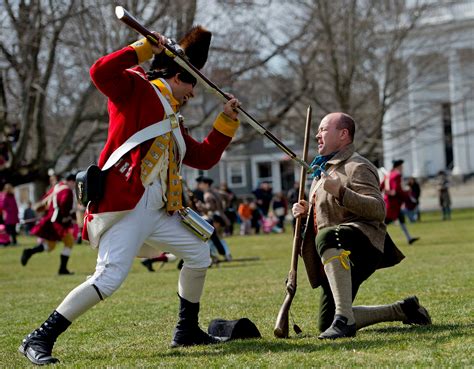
(195, 45)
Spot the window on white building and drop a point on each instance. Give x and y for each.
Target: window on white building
(236, 176)
(264, 172)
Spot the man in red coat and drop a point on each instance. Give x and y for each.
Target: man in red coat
(56, 224)
(143, 191)
(394, 197)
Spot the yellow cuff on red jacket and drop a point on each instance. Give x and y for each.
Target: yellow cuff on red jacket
(143, 49)
(226, 125)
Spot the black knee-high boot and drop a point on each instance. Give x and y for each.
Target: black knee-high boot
(28, 253)
(63, 266)
(38, 345)
(187, 331)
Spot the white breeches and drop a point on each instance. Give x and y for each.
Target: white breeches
(120, 244)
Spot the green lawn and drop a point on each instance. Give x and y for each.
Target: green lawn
(133, 328)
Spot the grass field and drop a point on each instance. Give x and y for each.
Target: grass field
(133, 327)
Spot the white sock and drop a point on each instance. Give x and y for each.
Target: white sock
(78, 301)
(191, 283)
(340, 281)
(368, 315)
(66, 251)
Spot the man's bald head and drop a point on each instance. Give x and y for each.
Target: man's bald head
(342, 121)
(335, 132)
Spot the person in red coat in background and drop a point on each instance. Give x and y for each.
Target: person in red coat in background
(9, 211)
(394, 197)
(138, 214)
(56, 224)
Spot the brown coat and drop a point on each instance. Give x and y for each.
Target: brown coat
(362, 206)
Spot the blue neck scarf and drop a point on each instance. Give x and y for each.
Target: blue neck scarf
(320, 161)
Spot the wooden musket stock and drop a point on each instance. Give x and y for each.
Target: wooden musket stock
(281, 329)
(181, 60)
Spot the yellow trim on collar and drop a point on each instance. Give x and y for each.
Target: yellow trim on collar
(226, 125)
(143, 49)
(167, 94)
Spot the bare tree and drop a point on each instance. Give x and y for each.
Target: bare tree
(249, 41)
(46, 58)
(352, 51)
(46, 49)
(337, 55)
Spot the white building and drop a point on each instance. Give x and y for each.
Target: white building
(432, 128)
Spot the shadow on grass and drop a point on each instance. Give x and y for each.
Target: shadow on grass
(226, 265)
(236, 264)
(296, 344)
(454, 329)
(368, 339)
(454, 217)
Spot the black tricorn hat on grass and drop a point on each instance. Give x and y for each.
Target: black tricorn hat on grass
(234, 329)
(195, 45)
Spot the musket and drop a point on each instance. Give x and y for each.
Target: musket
(178, 56)
(281, 329)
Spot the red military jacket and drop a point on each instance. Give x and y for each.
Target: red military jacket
(133, 105)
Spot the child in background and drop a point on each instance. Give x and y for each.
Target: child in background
(279, 206)
(270, 224)
(257, 217)
(245, 214)
(4, 236)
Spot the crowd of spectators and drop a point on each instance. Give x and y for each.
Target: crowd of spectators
(262, 212)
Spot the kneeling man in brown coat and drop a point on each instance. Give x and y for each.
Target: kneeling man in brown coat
(345, 239)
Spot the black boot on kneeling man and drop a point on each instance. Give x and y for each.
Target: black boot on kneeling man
(38, 345)
(415, 313)
(187, 331)
(339, 329)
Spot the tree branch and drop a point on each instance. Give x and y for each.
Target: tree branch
(74, 122)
